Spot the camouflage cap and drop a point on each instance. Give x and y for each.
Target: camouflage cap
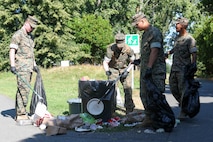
(120, 39)
(33, 21)
(119, 36)
(183, 21)
(137, 17)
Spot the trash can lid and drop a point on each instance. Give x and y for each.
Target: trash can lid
(76, 100)
(95, 106)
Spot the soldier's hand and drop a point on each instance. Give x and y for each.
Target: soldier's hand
(36, 69)
(124, 74)
(13, 69)
(192, 70)
(148, 73)
(166, 55)
(136, 62)
(108, 73)
(194, 66)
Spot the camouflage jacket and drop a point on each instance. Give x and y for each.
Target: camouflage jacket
(152, 37)
(183, 47)
(119, 59)
(24, 45)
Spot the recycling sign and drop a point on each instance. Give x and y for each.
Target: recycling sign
(133, 41)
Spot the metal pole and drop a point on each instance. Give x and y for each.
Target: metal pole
(133, 77)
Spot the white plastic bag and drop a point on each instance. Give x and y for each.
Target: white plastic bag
(41, 109)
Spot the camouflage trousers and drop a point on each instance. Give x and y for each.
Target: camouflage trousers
(22, 92)
(159, 81)
(126, 83)
(177, 85)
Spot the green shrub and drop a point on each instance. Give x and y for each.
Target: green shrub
(93, 31)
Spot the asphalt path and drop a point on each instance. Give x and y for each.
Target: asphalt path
(197, 129)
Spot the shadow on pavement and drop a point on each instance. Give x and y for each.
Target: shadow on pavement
(9, 113)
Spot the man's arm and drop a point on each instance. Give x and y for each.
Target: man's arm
(155, 45)
(12, 60)
(153, 56)
(132, 58)
(194, 57)
(170, 52)
(12, 57)
(105, 65)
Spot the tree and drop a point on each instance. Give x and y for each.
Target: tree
(10, 20)
(118, 12)
(49, 35)
(56, 41)
(163, 13)
(94, 31)
(204, 36)
(208, 4)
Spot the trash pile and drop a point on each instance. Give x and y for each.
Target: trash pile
(79, 122)
(83, 122)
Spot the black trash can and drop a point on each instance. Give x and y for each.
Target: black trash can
(101, 90)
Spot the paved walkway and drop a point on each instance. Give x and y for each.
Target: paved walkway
(198, 129)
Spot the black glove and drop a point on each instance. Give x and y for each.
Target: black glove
(192, 70)
(124, 74)
(108, 73)
(13, 70)
(194, 67)
(36, 69)
(136, 62)
(166, 55)
(148, 73)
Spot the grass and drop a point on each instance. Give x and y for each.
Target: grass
(60, 83)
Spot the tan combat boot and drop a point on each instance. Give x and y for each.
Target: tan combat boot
(147, 122)
(22, 117)
(22, 120)
(129, 110)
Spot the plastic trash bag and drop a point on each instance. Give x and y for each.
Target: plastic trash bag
(162, 114)
(103, 90)
(87, 118)
(191, 101)
(39, 89)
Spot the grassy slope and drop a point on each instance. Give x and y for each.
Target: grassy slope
(61, 84)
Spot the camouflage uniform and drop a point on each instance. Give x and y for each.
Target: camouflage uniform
(183, 47)
(119, 60)
(152, 38)
(24, 61)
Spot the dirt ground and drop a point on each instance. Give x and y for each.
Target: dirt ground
(138, 103)
(136, 98)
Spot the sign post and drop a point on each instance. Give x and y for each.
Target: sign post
(133, 41)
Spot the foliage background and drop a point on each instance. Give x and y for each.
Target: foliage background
(80, 30)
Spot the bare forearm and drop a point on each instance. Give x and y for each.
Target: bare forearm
(194, 58)
(106, 66)
(12, 57)
(152, 57)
